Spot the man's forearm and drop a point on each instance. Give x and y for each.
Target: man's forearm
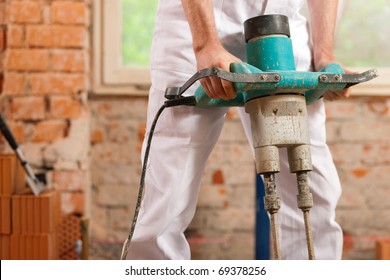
(200, 17)
(208, 49)
(323, 17)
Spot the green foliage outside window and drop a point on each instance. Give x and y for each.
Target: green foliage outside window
(137, 23)
(363, 36)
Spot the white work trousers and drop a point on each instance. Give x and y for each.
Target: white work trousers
(185, 136)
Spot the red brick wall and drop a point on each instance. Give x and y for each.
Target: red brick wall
(358, 136)
(45, 80)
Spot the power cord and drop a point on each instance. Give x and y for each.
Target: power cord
(189, 101)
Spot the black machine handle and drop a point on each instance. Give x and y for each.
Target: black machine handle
(7, 133)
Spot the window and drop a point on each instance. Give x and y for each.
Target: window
(362, 42)
(122, 37)
(137, 30)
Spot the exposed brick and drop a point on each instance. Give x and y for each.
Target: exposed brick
(64, 107)
(239, 246)
(118, 217)
(231, 219)
(28, 108)
(213, 197)
(231, 114)
(73, 202)
(65, 12)
(348, 243)
(360, 172)
(218, 177)
(233, 132)
(141, 135)
(72, 149)
(351, 198)
(68, 60)
(1, 81)
(49, 130)
(14, 83)
(119, 109)
(352, 219)
(56, 36)
(109, 152)
(70, 180)
(15, 36)
(341, 109)
(378, 199)
(24, 12)
(26, 60)
(2, 12)
(97, 134)
(242, 196)
(34, 154)
(116, 195)
(120, 174)
(360, 153)
(39, 36)
(365, 130)
(348, 153)
(122, 131)
(333, 131)
(231, 153)
(242, 174)
(375, 154)
(56, 83)
(98, 222)
(383, 249)
(364, 176)
(17, 130)
(69, 36)
(379, 108)
(2, 38)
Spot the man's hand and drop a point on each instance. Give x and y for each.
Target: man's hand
(208, 49)
(333, 95)
(323, 17)
(216, 56)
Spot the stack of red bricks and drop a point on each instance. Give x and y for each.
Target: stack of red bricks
(10, 182)
(29, 224)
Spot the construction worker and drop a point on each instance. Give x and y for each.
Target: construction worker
(193, 35)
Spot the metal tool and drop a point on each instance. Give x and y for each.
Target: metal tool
(275, 96)
(36, 185)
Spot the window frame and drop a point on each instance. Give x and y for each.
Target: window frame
(380, 86)
(109, 75)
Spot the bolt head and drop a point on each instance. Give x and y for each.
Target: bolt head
(337, 77)
(323, 78)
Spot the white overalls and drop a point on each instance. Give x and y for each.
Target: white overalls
(185, 136)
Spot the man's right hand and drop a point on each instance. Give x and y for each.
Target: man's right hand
(216, 56)
(208, 49)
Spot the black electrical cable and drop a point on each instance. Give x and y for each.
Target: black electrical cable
(169, 103)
